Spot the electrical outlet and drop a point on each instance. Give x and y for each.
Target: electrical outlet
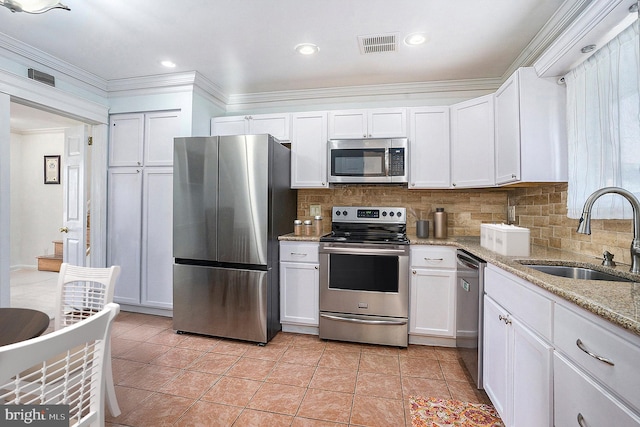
(511, 214)
(315, 210)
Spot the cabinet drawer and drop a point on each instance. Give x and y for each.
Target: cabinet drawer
(299, 252)
(433, 257)
(518, 297)
(576, 395)
(602, 341)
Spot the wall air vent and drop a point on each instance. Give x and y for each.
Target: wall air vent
(377, 43)
(41, 77)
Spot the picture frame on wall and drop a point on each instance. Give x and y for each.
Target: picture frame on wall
(52, 169)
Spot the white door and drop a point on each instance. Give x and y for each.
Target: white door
(74, 212)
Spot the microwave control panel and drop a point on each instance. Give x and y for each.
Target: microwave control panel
(396, 161)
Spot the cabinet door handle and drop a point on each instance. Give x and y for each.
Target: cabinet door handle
(434, 259)
(581, 420)
(298, 254)
(595, 356)
(316, 267)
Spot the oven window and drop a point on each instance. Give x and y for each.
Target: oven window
(374, 273)
(358, 162)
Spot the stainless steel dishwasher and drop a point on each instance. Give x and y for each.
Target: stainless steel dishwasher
(469, 312)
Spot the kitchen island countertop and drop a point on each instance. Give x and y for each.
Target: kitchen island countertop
(617, 302)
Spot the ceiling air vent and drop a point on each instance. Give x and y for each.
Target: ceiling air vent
(376, 43)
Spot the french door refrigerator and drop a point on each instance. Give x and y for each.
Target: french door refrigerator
(231, 201)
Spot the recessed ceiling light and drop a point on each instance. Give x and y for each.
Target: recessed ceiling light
(168, 64)
(307, 48)
(415, 39)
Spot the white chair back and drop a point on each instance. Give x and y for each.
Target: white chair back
(83, 291)
(63, 367)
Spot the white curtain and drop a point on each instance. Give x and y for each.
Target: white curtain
(603, 123)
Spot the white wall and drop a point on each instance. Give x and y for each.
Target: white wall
(36, 212)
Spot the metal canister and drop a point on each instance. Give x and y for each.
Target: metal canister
(440, 223)
(297, 227)
(317, 225)
(308, 227)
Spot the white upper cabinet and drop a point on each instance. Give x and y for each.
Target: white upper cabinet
(429, 148)
(126, 136)
(530, 134)
(309, 150)
(143, 139)
(236, 125)
(472, 143)
(376, 123)
(274, 124)
(160, 129)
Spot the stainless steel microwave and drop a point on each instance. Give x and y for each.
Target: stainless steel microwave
(368, 161)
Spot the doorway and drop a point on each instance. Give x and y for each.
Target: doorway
(36, 206)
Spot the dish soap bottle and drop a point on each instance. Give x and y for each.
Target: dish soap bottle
(440, 223)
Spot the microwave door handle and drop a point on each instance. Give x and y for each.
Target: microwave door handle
(386, 161)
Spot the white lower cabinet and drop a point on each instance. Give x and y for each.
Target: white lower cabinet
(299, 287)
(600, 360)
(580, 401)
(432, 298)
(139, 240)
(548, 362)
(517, 367)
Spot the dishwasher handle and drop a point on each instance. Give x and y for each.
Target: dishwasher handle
(468, 262)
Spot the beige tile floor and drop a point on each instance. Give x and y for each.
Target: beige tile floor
(166, 379)
(163, 378)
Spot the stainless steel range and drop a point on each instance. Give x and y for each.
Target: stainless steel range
(364, 276)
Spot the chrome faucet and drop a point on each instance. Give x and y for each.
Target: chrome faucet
(584, 226)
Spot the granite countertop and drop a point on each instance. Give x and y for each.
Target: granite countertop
(617, 302)
(293, 238)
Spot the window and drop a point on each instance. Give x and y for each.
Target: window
(603, 123)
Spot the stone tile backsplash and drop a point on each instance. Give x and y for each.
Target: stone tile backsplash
(542, 208)
(466, 209)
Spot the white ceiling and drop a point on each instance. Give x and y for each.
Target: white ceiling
(247, 46)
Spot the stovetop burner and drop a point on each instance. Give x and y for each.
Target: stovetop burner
(380, 225)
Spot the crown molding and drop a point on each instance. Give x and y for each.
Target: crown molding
(555, 26)
(28, 55)
(243, 101)
(167, 83)
(593, 23)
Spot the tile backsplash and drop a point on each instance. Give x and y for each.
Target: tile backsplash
(466, 209)
(542, 208)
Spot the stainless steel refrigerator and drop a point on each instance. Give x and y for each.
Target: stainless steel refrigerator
(231, 201)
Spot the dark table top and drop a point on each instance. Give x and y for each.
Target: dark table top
(19, 324)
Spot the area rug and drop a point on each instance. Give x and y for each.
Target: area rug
(432, 412)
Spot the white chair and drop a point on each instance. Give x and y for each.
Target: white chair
(63, 367)
(82, 292)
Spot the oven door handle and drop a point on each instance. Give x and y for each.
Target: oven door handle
(353, 250)
(367, 322)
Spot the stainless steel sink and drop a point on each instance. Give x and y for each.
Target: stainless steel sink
(576, 272)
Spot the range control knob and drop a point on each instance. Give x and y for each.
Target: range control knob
(399, 214)
(344, 213)
(337, 213)
(384, 213)
(391, 214)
